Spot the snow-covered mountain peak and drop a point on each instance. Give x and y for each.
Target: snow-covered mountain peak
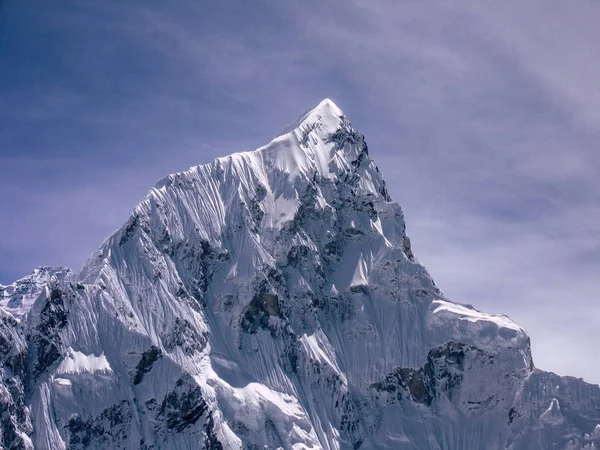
(316, 144)
(321, 152)
(313, 190)
(271, 299)
(326, 112)
(316, 139)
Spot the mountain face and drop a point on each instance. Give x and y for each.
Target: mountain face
(271, 300)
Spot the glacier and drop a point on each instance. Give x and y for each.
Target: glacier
(271, 300)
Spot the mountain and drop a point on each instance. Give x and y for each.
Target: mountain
(271, 299)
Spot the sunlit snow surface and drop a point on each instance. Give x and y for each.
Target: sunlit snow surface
(76, 362)
(271, 299)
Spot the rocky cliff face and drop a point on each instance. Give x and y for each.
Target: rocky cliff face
(271, 300)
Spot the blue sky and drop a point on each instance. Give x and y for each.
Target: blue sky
(483, 116)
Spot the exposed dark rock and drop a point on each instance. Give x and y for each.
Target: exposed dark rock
(338, 307)
(46, 338)
(164, 241)
(360, 289)
(441, 375)
(15, 420)
(14, 414)
(256, 316)
(407, 248)
(151, 404)
(405, 382)
(109, 429)
(149, 357)
(256, 212)
(354, 232)
(271, 303)
(274, 439)
(345, 135)
(198, 261)
(354, 419)
(333, 248)
(184, 335)
(130, 229)
(53, 314)
(291, 353)
(183, 406)
(211, 442)
(306, 207)
(9, 355)
(297, 255)
(47, 354)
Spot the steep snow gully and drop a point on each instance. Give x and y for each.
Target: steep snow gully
(271, 300)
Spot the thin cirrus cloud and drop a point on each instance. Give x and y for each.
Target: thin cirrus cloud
(482, 116)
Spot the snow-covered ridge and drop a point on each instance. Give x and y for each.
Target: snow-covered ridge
(18, 297)
(271, 299)
(76, 363)
(284, 152)
(311, 115)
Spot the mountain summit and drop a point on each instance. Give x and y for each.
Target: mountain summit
(271, 299)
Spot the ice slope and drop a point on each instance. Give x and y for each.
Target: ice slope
(271, 299)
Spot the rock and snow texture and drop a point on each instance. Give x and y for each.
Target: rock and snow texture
(271, 299)
(18, 297)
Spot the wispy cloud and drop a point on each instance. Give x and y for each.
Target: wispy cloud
(483, 117)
